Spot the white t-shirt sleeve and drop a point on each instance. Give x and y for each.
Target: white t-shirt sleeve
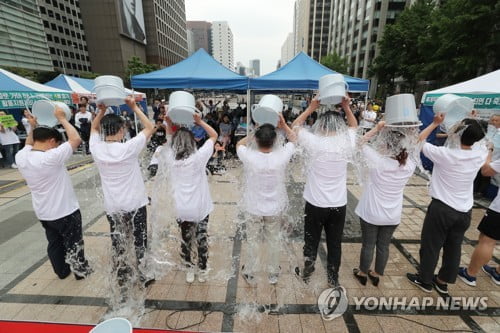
(59, 155)
(434, 153)
(242, 152)
(495, 165)
(95, 138)
(371, 155)
(206, 151)
(305, 138)
(136, 144)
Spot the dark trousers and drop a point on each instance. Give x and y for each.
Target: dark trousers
(332, 220)
(128, 233)
(65, 246)
(444, 227)
(372, 236)
(189, 231)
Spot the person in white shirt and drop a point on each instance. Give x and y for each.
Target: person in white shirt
(42, 164)
(193, 204)
(10, 143)
(380, 206)
(449, 213)
(265, 198)
(328, 148)
(368, 118)
(83, 120)
(124, 191)
(489, 229)
(26, 122)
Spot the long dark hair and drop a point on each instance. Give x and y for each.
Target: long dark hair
(183, 143)
(401, 155)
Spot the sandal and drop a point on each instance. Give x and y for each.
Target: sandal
(362, 279)
(374, 279)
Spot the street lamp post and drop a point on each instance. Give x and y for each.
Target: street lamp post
(62, 61)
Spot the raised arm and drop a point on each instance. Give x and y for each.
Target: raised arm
(170, 124)
(438, 119)
(96, 123)
(351, 120)
(212, 134)
(73, 136)
(146, 123)
(33, 124)
(372, 132)
(486, 169)
(289, 133)
(303, 116)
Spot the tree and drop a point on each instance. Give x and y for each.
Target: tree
(335, 62)
(89, 75)
(136, 66)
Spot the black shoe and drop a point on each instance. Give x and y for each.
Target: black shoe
(333, 279)
(80, 275)
(441, 287)
(306, 272)
(415, 279)
(374, 279)
(362, 279)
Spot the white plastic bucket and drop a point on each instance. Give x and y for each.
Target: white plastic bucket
(181, 107)
(496, 139)
(332, 88)
(455, 107)
(44, 109)
(268, 110)
(400, 110)
(113, 325)
(109, 90)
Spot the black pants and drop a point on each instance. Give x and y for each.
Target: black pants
(444, 227)
(66, 244)
(189, 230)
(128, 232)
(332, 220)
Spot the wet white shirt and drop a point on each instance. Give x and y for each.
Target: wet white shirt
(48, 179)
(190, 183)
(382, 200)
(453, 174)
(121, 177)
(326, 167)
(265, 188)
(495, 204)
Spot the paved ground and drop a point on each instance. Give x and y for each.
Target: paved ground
(30, 291)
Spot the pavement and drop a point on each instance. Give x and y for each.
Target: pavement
(29, 290)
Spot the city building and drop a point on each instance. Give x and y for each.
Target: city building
(356, 28)
(312, 27)
(255, 67)
(202, 35)
(62, 22)
(22, 37)
(190, 42)
(166, 37)
(288, 49)
(222, 43)
(241, 69)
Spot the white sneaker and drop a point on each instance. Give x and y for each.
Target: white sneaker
(14, 166)
(203, 275)
(190, 275)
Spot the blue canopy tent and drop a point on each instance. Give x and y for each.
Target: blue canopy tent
(200, 72)
(302, 73)
(85, 87)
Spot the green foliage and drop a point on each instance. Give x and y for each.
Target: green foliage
(26, 73)
(447, 43)
(335, 62)
(136, 66)
(88, 75)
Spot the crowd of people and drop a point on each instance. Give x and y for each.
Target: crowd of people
(329, 139)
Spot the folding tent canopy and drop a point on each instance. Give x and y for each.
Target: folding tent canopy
(302, 73)
(199, 71)
(17, 92)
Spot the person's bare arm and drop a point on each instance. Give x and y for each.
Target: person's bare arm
(372, 132)
(96, 122)
(212, 134)
(486, 169)
(351, 119)
(242, 142)
(438, 119)
(146, 123)
(33, 123)
(170, 124)
(303, 116)
(292, 137)
(73, 136)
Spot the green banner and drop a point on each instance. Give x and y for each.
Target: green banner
(8, 121)
(481, 101)
(19, 99)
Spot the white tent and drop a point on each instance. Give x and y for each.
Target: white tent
(484, 90)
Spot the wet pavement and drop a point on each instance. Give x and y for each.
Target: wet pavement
(29, 290)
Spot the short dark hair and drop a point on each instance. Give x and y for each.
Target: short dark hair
(85, 98)
(82, 106)
(111, 124)
(42, 134)
(474, 132)
(265, 136)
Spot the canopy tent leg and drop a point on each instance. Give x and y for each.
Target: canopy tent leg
(249, 94)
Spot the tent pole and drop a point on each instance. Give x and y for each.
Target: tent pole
(248, 111)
